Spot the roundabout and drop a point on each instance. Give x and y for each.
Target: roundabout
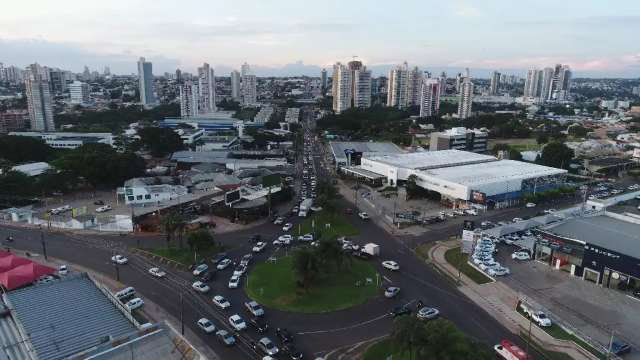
(274, 285)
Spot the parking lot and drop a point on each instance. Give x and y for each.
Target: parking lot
(81, 200)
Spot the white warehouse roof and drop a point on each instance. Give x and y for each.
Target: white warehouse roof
(431, 159)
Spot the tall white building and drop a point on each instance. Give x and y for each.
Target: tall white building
(145, 82)
(189, 95)
(465, 97)
(39, 99)
(79, 92)
(548, 84)
(459, 78)
(206, 90)
(560, 83)
(430, 97)
(248, 86)
(362, 88)
(495, 81)
(397, 93)
(342, 87)
(245, 69)
(547, 78)
(235, 85)
(443, 82)
(414, 86)
(533, 84)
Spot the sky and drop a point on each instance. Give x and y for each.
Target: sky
(596, 38)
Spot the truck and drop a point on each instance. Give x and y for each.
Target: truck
(371, 249)
(507, 350)
(305, 206)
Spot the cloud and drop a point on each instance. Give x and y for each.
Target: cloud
(465, 9)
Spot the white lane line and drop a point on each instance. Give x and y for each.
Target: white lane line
(387, 279)
(346, 327)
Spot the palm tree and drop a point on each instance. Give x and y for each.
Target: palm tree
(305, 266)
(169, 224)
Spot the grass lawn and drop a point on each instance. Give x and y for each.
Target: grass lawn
(518, 144)
(382, 350)
(459, 261)
(422, 250)
(184, 255)
(339, 225)
(274, 285)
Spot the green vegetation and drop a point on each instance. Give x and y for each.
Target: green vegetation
(512, 153)
(546, 354)
(22, 149)
(247, 113)
(459, 260)
(201, 242)
(271, 180)
(556, 154)
(338, 225)
(383, 349)
(276, 285)
(526, 144)
(115, 120)
(184, 256)
(160, 141)
(546, 195)
(422, 250)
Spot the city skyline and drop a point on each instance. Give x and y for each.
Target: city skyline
(283, 38)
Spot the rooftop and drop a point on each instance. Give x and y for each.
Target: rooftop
(365, 147)
(603, 231)
(432, 159)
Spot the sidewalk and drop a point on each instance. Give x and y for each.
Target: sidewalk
(499, 301)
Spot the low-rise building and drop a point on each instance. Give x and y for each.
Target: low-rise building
(68, 140)
(459, 138)
(33, 169)
(292, 115)
(13, 120)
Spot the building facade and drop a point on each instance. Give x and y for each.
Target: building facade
(188, 99)
(248, 86)
(323, 81)
(79, 92)
(495, 82)
(430, 97)
(459, 138)
(145, 82)
(13, 120)
(206, 90)
(533, 84)
(341, 88)
(362, 88)
(465, 98)
(235, 85)
(39, 99)
(414, 86)
(397, 93)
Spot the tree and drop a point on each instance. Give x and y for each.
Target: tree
(577, 130)
(21, 149)
(160, 141)
(556, 154)
(406, 334)
(170, 223)
(200, 240)
(16, 183)
(542, 138)
(305, 266)
(412, 187)
(329, 252)
(512, 153)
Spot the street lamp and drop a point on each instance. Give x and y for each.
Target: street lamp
(44, 246)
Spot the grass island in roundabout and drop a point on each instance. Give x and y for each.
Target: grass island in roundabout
(274, 284)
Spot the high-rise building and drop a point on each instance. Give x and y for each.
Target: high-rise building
(14, 74)
(145, 82)
(178, 76)
(397, 93)
(206, 90)
(86, 74)
(495, 81)
(465, 97)
(458, 82)
(533, 84)
(362, 88)
(560, 83)
(39, 100)
(235, 85)
(3, 72)
(188, 99)
(414, 86)
(79, 92)
(248, 86)
(430, 97)
(443, 83)
(107, 71)
(323, 81)
(57, 80)
(548, 84)
(342, 88)
(547, 78)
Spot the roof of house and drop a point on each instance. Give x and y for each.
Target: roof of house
(431, 159)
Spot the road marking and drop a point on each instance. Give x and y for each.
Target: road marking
(346, 327)
(387, 279)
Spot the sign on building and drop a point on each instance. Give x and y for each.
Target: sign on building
(478, 197)
(232, 197)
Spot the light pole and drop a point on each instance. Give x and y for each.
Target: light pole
(44, 245)
(182, 312)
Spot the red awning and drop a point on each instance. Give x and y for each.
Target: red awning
(17, 271)
(11, 261)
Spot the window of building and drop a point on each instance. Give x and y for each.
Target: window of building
(147, 197)
(131, 198)
(139, 197)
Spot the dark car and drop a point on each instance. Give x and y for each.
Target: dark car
(208, 276)
(400, 310)
(219, 258)
(291, 352)
(620, 347)
(258, 324)
(284, 335)
(362, 255)
(98, 202)
(256, 238)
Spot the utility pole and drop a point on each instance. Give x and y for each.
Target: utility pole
(182, 312)
(117, 271)
(355, 200)
(529, 336)
(610, 346)
(44, 246)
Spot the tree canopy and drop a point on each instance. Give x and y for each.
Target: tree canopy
(160, 141)
(21, 149)
(115, 120)
(556, 154)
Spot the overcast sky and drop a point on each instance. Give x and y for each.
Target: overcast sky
(595, 37)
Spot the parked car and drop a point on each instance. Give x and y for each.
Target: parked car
(283, 240)
(219, 257)
(259, 247)
(284, 335)
(239, 270)
(221, 302)
(427, 313)
(63, 270)
(225, 338)
(237, 322)
(258, 324)
(200, 269)
(287, 227)
(119, 259)
(223, 264)
(363, 215)
(541, 319)
(473, 212)
(391, 292)
(134, 304)
(306, 238)
(200, 287)
(520, 255)
(267, 346)
(254, 308)
(530, 205)
(390, 265)
(498, 271)
(156, 272)
(234, 282)
(400, 310)
(102, 209)
(206, 325)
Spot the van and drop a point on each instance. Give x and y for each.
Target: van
(125, 293)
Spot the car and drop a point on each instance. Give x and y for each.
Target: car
(102, 209)
(427, 313)
(287, 227)
(541, 319)
(390, 265)
(498, 271)
(156, 272)
(219, 257)
(98, 202)
(284, 335)
(208, 276)
(225, 338)
(119, 259)
(239, 270)
(520, 255)
(267, 346)
(279, 220)
(306, 238)
(291, 351)
(206, 325)
(517, 219)
(487, 264)
(246, 259)
(234, 282)
(363, 215)
(200, 269)
(391, 292)
(254, 308)
(400, 310)
(283, 240)
(134, 304)
(221, 302)
(530, 205)
(237, 322)
(549, 211)
(63, 270)
(45, 279)
(259, 247)
(473, 212)
(200, 287)
(620, 347)
(258, 324)
(223, 264)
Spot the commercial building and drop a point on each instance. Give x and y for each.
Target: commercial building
(39, 100)
(398, 87)
(206, 90)
(459, 138)
(342, 86)
(79, 92)
(323, 81)
(430, 97)
(349, 153)
(145, 82)
(13, 120)
(465, 97)
(68, 140)
(235, 85)
(188, 99)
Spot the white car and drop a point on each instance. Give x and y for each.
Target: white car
(390, 265)
(487, 264)
(102, 209)
(200, 269)
(157, 272)
(254, 308)
(498, 271)
(200, 287)
(63, 270)
(279, 220)
(287, 227)
(223, 264)
(520, 255)
(119, 259)
(391, 292)
(221, 302)
(530, 205)
(364, 216)
(259, 246)
(234, 282)
(237, 322)
(517, 219)
(134, 304)
(283, 240)
(306, 238)
(206, 325)
(541, 319)
(239, 270)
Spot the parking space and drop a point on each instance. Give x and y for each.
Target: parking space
(84, 201)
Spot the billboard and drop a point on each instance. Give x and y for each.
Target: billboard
(467, 241)
(354, 156)
(232, 196)
(478, 197)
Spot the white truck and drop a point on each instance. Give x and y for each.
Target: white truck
(371, 249)
(305, 206)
